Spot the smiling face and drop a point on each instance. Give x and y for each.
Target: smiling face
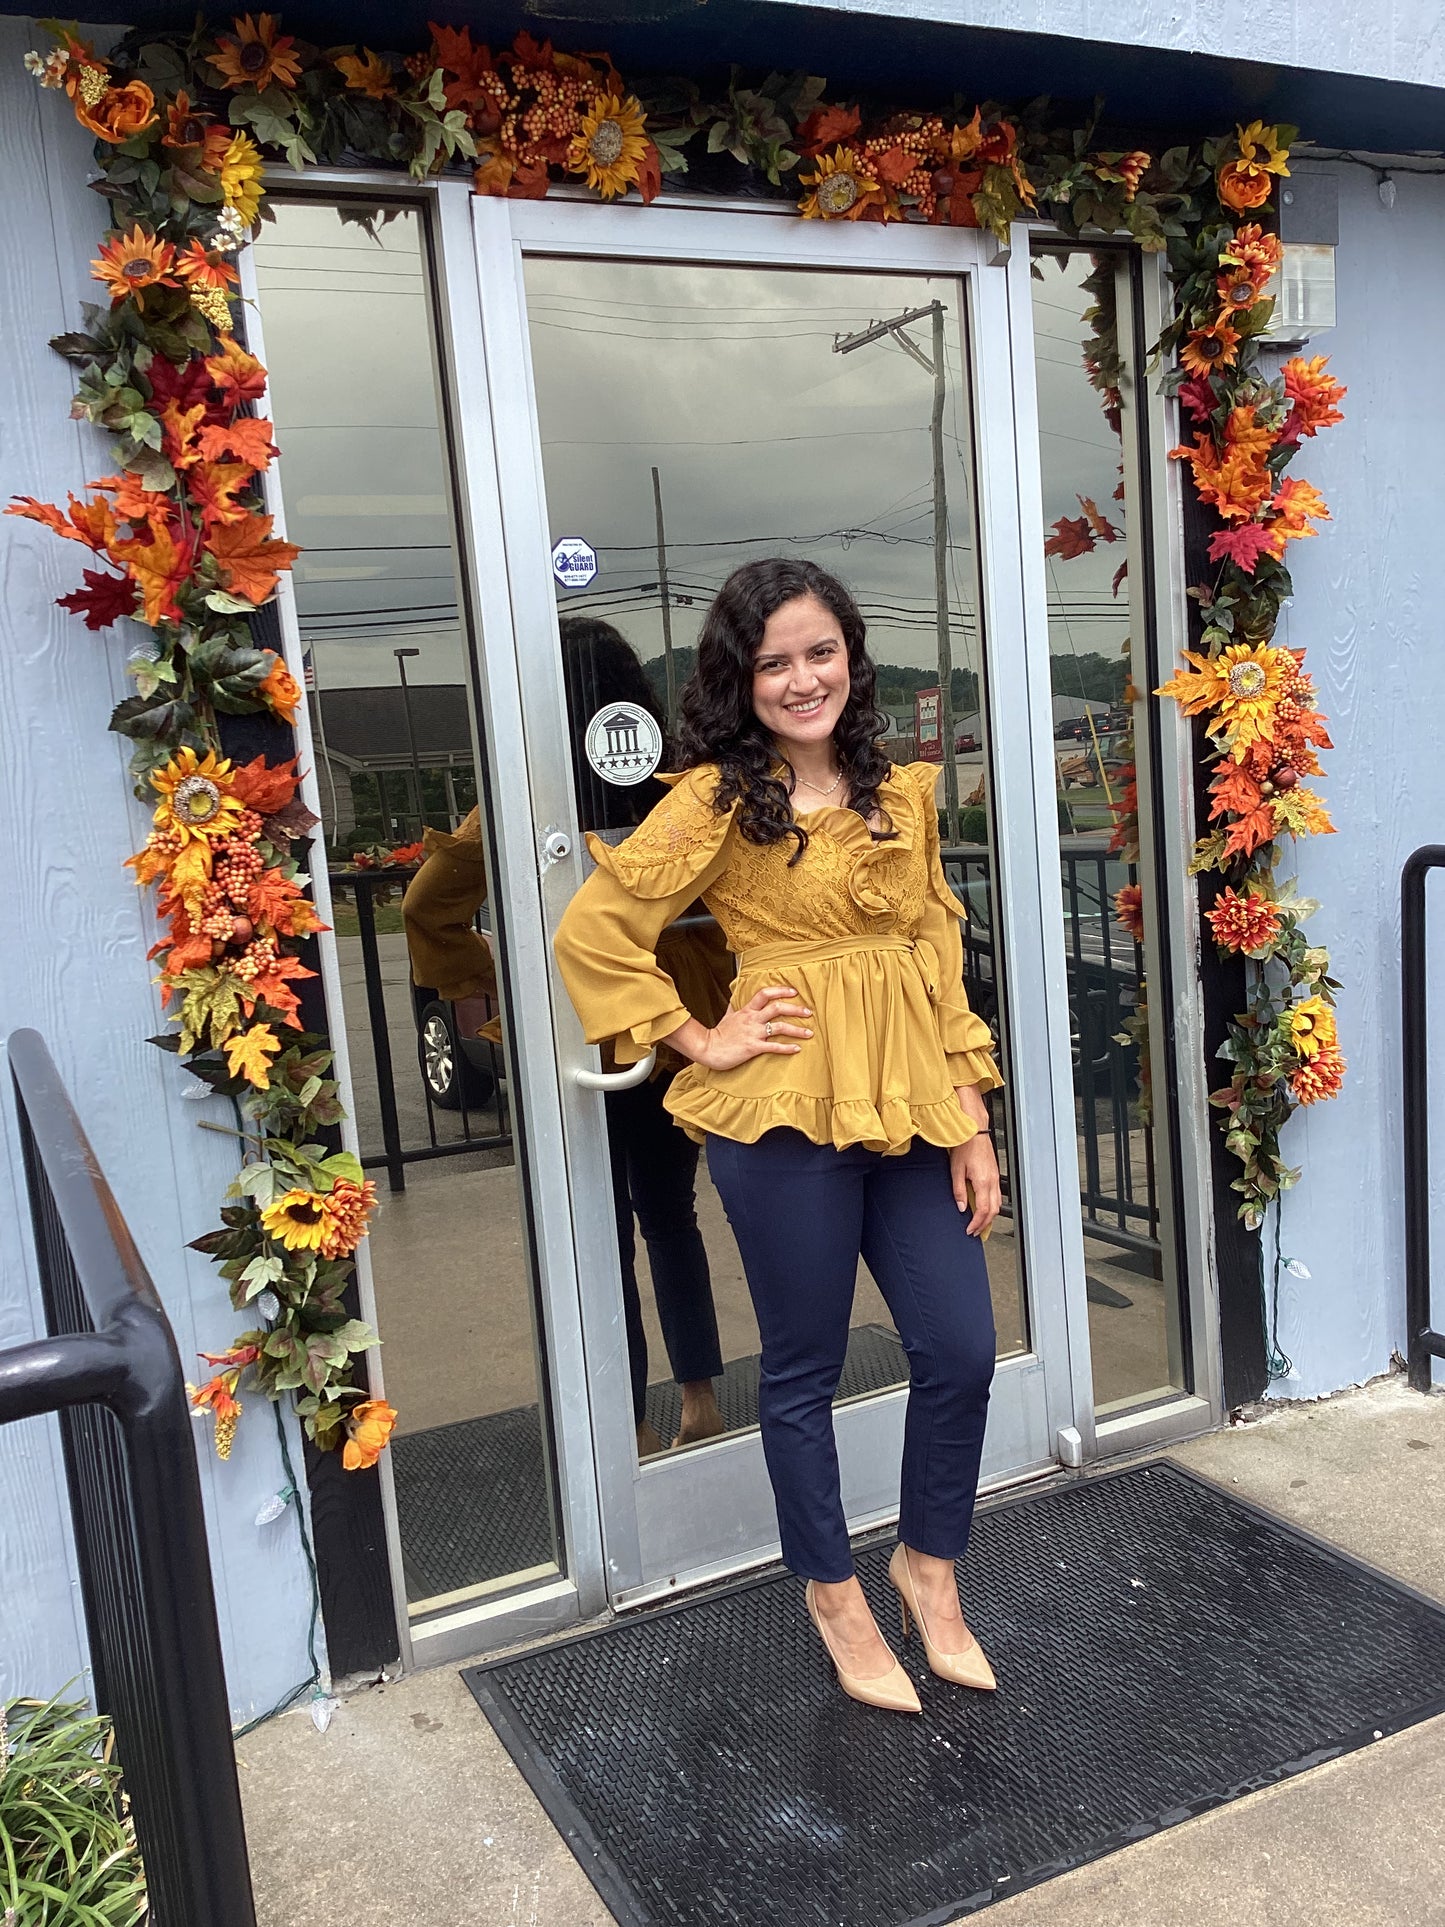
(800, 674)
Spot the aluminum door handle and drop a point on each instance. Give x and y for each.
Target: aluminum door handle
(617, 1080)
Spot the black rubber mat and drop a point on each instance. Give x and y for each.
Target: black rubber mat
(471, 1497)
(1161, 1647)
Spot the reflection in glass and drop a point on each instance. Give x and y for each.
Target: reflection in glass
(1099, 669)
(367, 491)
(694, 417)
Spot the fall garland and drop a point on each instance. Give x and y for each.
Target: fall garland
(184, 126)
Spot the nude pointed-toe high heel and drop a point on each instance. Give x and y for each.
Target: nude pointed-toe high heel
(968, 1668)
(894, 1691)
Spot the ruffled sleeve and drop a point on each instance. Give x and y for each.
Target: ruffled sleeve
(446, 953)
(606, 944)
(967, 1041)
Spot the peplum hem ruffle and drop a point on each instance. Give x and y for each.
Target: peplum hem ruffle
(703, 1108)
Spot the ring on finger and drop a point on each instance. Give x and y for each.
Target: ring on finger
(767, 1030)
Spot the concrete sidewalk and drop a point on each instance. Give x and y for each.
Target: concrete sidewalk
(408, 1810)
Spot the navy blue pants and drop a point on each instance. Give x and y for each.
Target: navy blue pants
(802, 1214)
(654, 1176)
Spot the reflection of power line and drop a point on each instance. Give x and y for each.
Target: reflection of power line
(712, 441)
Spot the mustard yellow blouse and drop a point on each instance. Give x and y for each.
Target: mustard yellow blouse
(867, 932)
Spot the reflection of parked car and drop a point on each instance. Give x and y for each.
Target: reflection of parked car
(965, 741)
(460, 1073)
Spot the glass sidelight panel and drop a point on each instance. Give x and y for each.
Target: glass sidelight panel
(406, 812)
(1098, 600)
(691, 418)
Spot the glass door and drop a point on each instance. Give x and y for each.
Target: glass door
(669, 393)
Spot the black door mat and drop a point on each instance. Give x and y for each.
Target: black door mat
(1161, 1647)
(471, 1497)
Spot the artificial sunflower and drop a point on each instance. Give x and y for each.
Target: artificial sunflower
(133, 262)
(612, 145)
(297, 1219)
(1246, 181)
(842, 187)
(196, 800)
(1312, 1026)
(1241, 685)
(185, 126)
(241, 170)
(1206, 349)
(368, 1427)
(255, 55)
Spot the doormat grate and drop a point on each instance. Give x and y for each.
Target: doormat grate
(471, 1497)
(1161, 1647)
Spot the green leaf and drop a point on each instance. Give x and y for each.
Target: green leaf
(342, 1165)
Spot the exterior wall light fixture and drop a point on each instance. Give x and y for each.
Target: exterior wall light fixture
(1309, 227)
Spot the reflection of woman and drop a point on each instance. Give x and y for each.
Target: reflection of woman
(840, 1096)
(654, 1167)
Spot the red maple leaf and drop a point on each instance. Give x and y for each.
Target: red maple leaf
(1073, 537)
(453, 50)
(187, 386)
(1197, 395)
(649, 173)
(103, 600)
(1242, 546)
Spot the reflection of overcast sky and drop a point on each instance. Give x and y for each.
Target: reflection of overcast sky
(766, 441)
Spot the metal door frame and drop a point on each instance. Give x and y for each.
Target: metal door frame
(669, 1522)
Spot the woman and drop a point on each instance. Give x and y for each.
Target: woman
(840, 1096)
(654, 1167)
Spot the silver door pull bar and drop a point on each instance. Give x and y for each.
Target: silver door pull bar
(617, 1080)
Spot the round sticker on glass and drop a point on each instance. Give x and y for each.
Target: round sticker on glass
(624, 743)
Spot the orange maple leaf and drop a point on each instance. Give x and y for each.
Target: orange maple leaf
(213, 487)
(239, 376)
(828, 127)
(265, 788)
(1246, 835)
(1234, 789)
(247, 439)
(249, 557)
(180, 426)
(89, 522)
(159, 568)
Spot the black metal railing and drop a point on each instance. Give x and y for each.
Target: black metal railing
(386, 1029)
(1424, 1342)
(109, 1367)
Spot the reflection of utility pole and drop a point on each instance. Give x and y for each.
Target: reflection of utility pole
(844, 345)
(669, 666)
(401, 660)
(319, 731)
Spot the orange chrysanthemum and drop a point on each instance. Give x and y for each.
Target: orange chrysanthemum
(1246, 182)
(1253, 252)
(1129, 909)
(133, 262)
(368, 1427)
(1320, 1078)
(1248, 923)
(255, 55)
(347, 1208)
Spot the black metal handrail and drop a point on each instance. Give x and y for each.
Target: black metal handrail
(1424, 1343)
(109, 1367)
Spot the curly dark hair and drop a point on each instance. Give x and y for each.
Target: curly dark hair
(717, 722)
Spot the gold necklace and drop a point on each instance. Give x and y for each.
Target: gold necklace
(814, 787)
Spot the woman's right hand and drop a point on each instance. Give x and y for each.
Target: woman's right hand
(761, 1026)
